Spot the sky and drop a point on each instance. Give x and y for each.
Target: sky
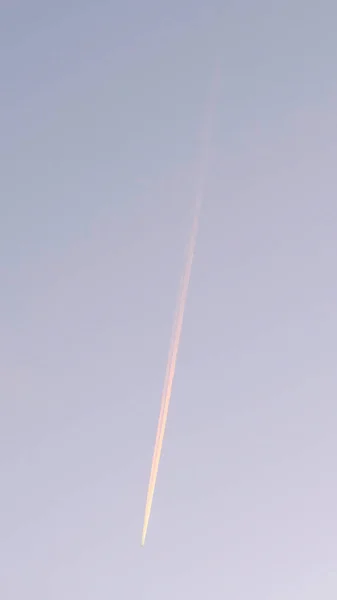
(102, 105)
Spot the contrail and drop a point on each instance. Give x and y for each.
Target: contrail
(178, 321)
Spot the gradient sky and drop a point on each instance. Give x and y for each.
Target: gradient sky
(102, 104)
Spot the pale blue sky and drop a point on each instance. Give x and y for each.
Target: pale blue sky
(101, 107)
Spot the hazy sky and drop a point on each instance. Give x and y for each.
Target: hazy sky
(102, 104)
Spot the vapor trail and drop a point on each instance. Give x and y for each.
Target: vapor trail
(177, 324)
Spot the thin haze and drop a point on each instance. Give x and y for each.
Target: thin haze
(101, 106)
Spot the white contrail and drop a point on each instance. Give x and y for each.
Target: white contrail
(178, 321)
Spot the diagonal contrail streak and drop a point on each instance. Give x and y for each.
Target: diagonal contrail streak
(178, 320)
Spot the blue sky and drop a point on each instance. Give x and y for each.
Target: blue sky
(102, 106)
